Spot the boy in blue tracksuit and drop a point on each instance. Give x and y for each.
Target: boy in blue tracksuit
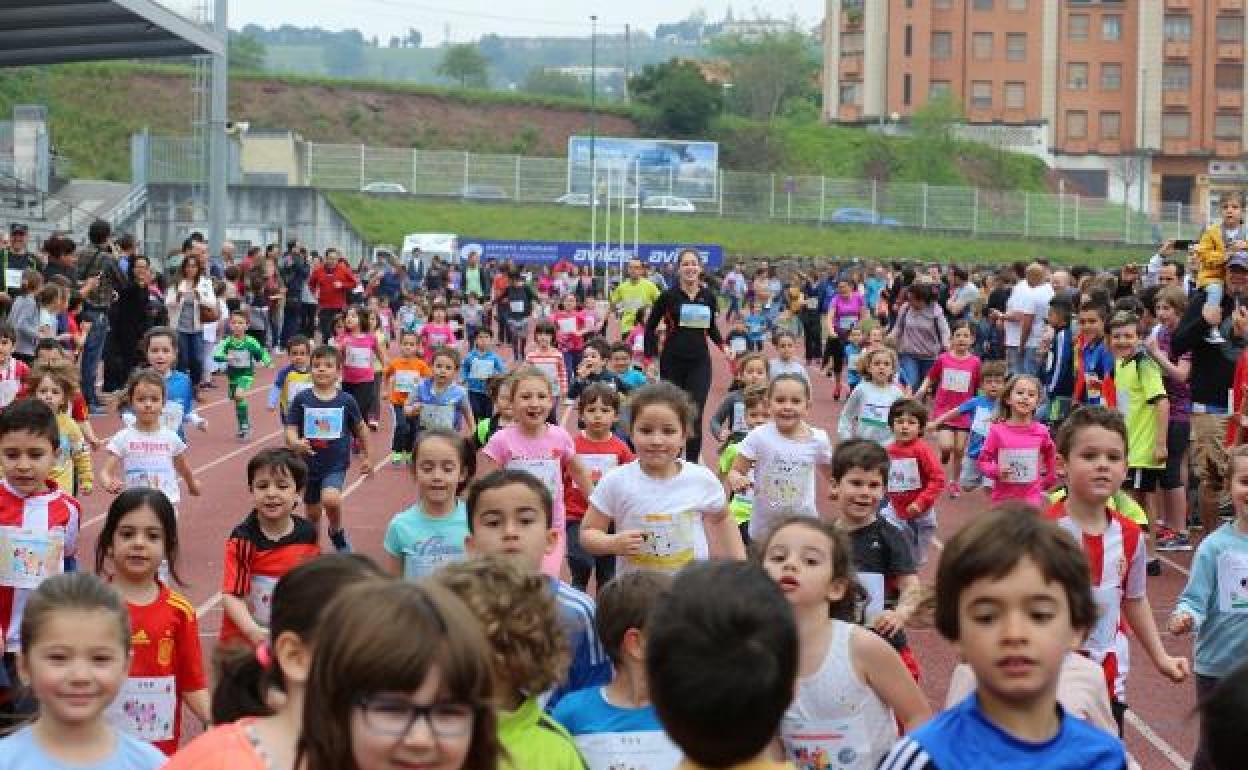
(981, 408)
(478, 368)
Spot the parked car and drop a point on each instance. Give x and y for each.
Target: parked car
(484, 192)
(384, 188)
(671, 203)
(575, 199)
(852, 216)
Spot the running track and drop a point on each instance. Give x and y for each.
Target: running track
(1160, 733)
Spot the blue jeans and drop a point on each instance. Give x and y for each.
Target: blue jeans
(191, 355)
(914, 369)
(92, 354)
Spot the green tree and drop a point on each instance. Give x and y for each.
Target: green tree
(769, 72)
(246, 52)
(464, 63)
(682, 101)
(554, 83)
(935, 145)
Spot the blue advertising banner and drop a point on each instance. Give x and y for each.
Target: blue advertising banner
(579, 252)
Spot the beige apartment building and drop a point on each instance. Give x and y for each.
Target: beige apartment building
(1084, 84)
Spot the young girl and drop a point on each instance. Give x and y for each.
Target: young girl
(140, 533)
(257, 732)
(160, 348)
(667, 512)
(534, 445)
(853, 352)
(420, 683)
(1019, 455)
(571, 325)
(431, 533)
(783, 453)
(786, 360)
(866, 410)
(848, 676)
(1215, 597)
(379, 366)
(55, 386)
(549, 360)
(730, 417)
(74, 622)
(636, 338)
(437, 333)
(438, 402)
(955, 378)
(148, 454)
(359, 348)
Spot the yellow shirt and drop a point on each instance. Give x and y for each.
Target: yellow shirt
(74, 457)
(1213, 255)
(628, 297)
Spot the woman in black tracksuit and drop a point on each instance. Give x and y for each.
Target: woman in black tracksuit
(687, 311)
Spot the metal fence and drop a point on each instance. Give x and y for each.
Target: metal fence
(811, 200)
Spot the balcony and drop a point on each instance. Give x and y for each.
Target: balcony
(1230, 99)
(1177, 49)
(1227, 148)
(851, 64)
(1174, 146)
(1230, 51)
(1174, 98)
(1075, 146)
(1231, 5)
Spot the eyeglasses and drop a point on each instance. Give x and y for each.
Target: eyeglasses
(394, 717)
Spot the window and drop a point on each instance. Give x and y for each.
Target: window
(981, 44)
(983, 5)
(1228, 126)
(1111, 27)
(851, 92)
(909, 44)
(1077, 76)
(981, 95)
(1076, 124)
(1111, 126)
(1176, 125)
(1176, 77)
(1229, 77)
(1178, 29)
(942, 45)
(939, 89)
(1016, 5)
(905, 90)
(1111, 77)
(1015, 95)
(851, 43)
(1016, 46)
(1230, 29)
(1078, 30)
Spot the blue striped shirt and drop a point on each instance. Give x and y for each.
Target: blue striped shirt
(590, 665)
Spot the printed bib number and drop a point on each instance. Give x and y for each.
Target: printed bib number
(28, 556)
(1233, 582)
(517, 306)
(359, 358)
(851, 361)
(667, 541)
(1019, 466)
(295, 388)
(481, 369)
(812, 303)
(639, 346)
(1124, 400)
(260, 600)
(846, 322)
(955, 380)
(649, 750)
(598, 465)
(406, 381)
(153, 477)
(825, 744)
(875, 414)
(567, 325)
(145, 708)
(737, 345)
(437, 416)
(738, 417)
(322, 423)
(238, 359)
(547, 471)
(171, 416)
(8, 391)
(784, 483)
(903, 475)
(694, 316)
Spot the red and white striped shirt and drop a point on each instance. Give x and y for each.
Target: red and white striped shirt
(551, 363)
(51, 511)
(1118, 561)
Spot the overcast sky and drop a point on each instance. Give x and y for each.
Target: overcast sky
(469, 19)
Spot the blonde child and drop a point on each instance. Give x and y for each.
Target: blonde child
(55, 386)
(1218, 244)
(866, 410)
(1019, 456)
(148, 454)
(431, 533)
(729, 418)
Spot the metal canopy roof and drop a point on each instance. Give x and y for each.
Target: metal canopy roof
(55, 31)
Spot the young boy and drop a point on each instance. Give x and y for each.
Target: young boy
(400, 378)
(756, 325)
(293, 378)
(510, 514)
(500, 397)
(741, 504)
(620, 363)
(12, 371)
(599, 450)
(883, 559)
(915, 477)
(982, 408)
(616, 725)
(319, 425)
(1012, 594)
(479, 367)
(1217, 245)
(1092, 449)
(1141, 398)
(719, 720)
(593, 369)
(240, 353)
(1093, 362)
(738, 341)
(1059, 373)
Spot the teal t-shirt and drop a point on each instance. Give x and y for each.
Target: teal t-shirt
(424, 542)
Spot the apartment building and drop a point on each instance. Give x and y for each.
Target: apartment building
(1138, 100)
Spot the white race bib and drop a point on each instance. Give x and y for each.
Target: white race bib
(171, 417)
(8, 391)
(437, 339)
(28, 556)
(1233, 582)
(873, 584)
(295, 388)
(955, 380)
(437, 416)
(738, 417)
(13, 278)
(875, 414)
(517, 306)
(406, 380)
(695, 316)
(238, 358)
(146, 707)
(548, 471)
(826, 744)
(650, 750)
(323, 423)
(260, 600)
(481, 369)
(359, 358)
(667, 541)
(639, 346)
(1018, 466)
(982, 420)
(737, 345)
(153, 476)
(812, 303)
(598, 464)
(846, 322)
(567, 325)
(903, 475)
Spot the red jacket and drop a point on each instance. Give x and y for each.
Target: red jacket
(1235, 432)
(903, 487)
(332, 286)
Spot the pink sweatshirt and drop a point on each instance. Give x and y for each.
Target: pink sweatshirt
(954, 381)
(357, 357)
(1021, 460)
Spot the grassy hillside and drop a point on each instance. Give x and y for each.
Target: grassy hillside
(387, 220)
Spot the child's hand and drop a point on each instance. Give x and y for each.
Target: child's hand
(303, 446)
(113, 486)
(192, 486)
(888, 623)
(1160, 452)
(1181, 623)
(1174, 668)
(628, 543)
(737, 481)
(913, 509)
(412, 408)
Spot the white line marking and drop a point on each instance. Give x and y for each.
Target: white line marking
(1165, 749)
(207, 606)
(227, 399)
(1174, 564)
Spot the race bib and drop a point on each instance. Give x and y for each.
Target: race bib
(695, 316)
(481, 369)
(323, 423)
(548, 471)
(846, 322)
(437, 416)
(1124, 400)
(239, 358)
(551, 371)
(955, 380)
(295, 388)
(406, 380)
(13, 278)
(517, 306)
(153, 477)
(851, 361)
(8, 391)
(826, 744)
(260, 600)
(667, 541)
(631, 305)
(1018, 466)
(875, 414)
(1233, 582)
(738, 417)
(784, 484)
(567, 325)
(812, 303)
(437, 339)
(28, 556)
(359, 358)
(146, 708)
(598, 465)
(737, 345)
(983, 419)
(649, 750)
(428, 556)
(903, 475)
(873, 584)
(171, 416)
(639, 346)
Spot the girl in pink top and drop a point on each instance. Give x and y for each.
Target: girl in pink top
(571, 325)
(359, 347)
(955, 378)
(438, 332)
(1019, 455)
(534, 445)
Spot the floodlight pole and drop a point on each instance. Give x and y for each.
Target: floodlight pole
(218, 155)
(593, 134)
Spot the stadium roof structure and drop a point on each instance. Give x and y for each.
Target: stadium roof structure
(54, 31)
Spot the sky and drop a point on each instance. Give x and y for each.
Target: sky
(470, 19)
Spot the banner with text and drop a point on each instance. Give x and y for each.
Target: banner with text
(582, 253)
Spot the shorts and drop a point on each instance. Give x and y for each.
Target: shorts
(318, 481)
(241, 382)
(1143, 479)
(1208, 440)
(1178, 436)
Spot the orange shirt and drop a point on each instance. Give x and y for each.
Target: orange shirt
(405, 374)
(224, 747)
(254, 564)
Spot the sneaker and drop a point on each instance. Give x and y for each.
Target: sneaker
(1164, 533)
(1176, 542)
(396, 459)
(340, 541)
(1154, 568)
(374, 425)
(244, 432)
(1214, 337)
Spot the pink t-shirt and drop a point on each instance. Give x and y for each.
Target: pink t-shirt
(357, 357)
(1021, 460)
(955, 381)
(847, 311)
(435, 336)
(546, 457)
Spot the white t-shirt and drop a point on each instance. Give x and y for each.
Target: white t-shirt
(147, 459)
(1041, 296)
(1021, 300)
(667, 511)
(784, 473)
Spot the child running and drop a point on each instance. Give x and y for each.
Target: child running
(481, 366)
(431, 533)
(438, 401)
(140, 533)
(1018, 455)
(729, 418)
(240, 352)
(741, 504)
(293, 378)
(915, 478)
(160, 348)
(546, 357)
(786, 360)
(980, 411)
(954, 378)
(55, 386)
(147, 455)
(401, 378)
(849, 676)
(359, 346)
(866, 410)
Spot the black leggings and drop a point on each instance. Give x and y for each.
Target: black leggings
(834, 351)
(694, 377)
(812, 332)
(365, 395)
